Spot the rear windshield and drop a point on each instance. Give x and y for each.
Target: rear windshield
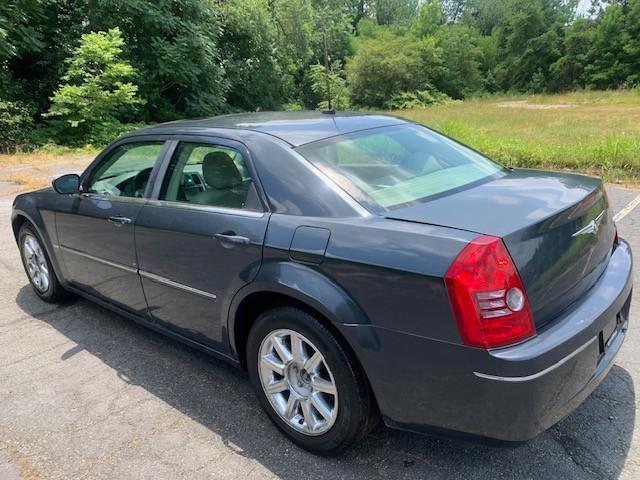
(396, 166)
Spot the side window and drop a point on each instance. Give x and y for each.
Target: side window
(205, 174)
(126, 170)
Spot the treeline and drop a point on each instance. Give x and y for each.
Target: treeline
(78, 71)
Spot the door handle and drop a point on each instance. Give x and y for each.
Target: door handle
(230, 238)
(118, 221)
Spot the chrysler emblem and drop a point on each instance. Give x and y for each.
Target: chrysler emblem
(591, 227)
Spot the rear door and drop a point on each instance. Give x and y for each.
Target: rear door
(200, 237)
(96, 230)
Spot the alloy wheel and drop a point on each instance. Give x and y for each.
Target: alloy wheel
(298, 382)
(36, 263)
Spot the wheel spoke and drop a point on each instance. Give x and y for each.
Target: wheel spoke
(321, 406)
(282, 350)
(309, 418)
(297, 349)
(312, 364)
(277, 386)
(292, 407)
(271, 363)
(322, 385)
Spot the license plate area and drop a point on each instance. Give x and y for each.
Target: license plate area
(609, 333)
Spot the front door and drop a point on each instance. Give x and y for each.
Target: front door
(96, 232)
(200, 240)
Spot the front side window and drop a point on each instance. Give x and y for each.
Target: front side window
(126, 170)
(213, 175)
(396, 166)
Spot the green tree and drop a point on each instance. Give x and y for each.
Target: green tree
(388, 64)
(253, 62)
(428, 20)
(174, 45)
(97, 92)
(462, 59)
(614, 53)
(568, 71)
(333, 83)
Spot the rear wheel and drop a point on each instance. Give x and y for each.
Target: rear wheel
(310, 387)
(37, 264)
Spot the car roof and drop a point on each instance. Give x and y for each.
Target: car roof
(295, 128)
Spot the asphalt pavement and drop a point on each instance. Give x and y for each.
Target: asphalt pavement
(87, 394)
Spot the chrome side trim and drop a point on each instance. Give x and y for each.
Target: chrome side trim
(170, 283)
(126, 268)
(206, 208)
(540, 373)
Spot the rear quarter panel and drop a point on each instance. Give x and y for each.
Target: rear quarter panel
(392, 270)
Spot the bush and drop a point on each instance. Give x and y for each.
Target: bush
(388, 65)
(16, 123)
(419, 99)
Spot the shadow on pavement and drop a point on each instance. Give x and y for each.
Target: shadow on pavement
(593, 442)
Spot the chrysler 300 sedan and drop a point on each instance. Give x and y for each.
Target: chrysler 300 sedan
(359, 267)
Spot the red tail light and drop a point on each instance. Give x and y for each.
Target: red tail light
(487, 295)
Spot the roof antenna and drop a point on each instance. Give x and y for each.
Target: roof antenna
(330, 109)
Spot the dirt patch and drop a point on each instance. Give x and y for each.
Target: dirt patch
(533, 106)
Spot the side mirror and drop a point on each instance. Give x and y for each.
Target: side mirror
(67, 184)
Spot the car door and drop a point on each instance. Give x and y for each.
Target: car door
(96, 231)
(200, 237)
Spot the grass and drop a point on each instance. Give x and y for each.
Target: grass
(596, 133)
(47, 156)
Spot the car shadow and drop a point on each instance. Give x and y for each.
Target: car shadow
(593, 441)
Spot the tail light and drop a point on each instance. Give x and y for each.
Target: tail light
(487, 295)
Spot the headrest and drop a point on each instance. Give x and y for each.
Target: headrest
(219, 170)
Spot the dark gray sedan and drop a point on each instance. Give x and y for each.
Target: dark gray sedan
(359, 267)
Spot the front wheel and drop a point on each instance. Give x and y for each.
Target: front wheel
(313, 390)
(38, 266)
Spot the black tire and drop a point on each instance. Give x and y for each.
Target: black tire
(357, 413)
(54, 292)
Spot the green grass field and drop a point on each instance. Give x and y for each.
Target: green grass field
(591, 132)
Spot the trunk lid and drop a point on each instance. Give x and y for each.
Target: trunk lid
(557, 227)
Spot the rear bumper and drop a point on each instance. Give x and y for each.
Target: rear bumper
(510, 394)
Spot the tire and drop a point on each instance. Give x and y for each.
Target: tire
(50, 291)
(349, 414)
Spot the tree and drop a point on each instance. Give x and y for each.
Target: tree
(529, 41)
(388, 64)
(390, 12)
(254, 65)
(568, 71)
(462, 59)
(97, 92)
(174, 45)
(333, 82)
(428, 20)
(614, 54)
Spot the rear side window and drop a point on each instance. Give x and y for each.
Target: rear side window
(396, 166)
(206, 174)
(125, 171)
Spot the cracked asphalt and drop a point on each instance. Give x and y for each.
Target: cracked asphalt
(87, 394)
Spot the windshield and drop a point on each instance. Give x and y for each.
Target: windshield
(396, 166)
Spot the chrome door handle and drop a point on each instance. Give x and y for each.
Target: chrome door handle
(118, 221)
(232, 238)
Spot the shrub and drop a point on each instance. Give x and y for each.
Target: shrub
(388, 64)
(419, 99)
(16, 123)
